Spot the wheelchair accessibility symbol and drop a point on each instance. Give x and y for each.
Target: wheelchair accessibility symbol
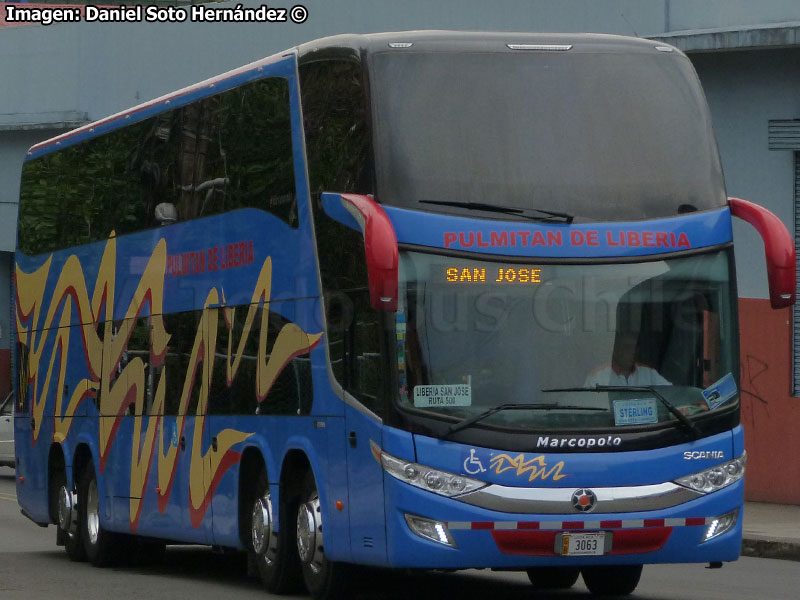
(472, 464)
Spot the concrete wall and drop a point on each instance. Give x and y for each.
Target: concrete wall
(12, 152)
(682, 15)
(745, 90)
(13, 145)
(6, 268)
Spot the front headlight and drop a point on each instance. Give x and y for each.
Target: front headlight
(715, 478)
(426, 478)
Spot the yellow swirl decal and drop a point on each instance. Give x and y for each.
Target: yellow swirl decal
(121, 390)
(536, 467)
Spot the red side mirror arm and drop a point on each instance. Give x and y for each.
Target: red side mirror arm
(778, 248)
(380, 247)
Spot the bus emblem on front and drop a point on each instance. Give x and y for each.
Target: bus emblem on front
(583, 500)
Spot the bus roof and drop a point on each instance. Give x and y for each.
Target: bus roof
(358, 44)
(495, 41)
(118, 119)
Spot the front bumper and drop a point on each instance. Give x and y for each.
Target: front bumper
(487, 538)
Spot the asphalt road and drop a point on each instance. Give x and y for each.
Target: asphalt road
(32, 567)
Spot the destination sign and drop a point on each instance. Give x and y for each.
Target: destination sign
(518, 275)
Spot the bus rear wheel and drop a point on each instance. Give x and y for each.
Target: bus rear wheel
(271, 551)
(553, 578)
(65, 508)
(102, 547)
(612, 581)
(325, 579)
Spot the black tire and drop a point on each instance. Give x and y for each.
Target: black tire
(553, 578)
(103, 548)
(277, 564)
(612, 581)
(73, 545)
(324, 579)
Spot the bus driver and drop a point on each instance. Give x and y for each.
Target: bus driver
(624, 370)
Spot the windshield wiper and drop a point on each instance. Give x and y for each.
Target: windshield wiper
(488, 413)
(507, 210)
(638, 388)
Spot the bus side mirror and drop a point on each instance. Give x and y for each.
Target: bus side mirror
(380, 243)
(778, 248)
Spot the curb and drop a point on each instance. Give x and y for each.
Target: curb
(765, 548)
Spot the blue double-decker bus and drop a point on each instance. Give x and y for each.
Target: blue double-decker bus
(410, 300)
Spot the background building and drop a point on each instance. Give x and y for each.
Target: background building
(747, 55)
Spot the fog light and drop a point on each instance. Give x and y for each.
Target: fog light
(436, 531)
(721, 524)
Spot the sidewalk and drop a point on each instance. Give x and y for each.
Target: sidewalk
(771, 531)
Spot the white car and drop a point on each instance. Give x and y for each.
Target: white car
(7, 432)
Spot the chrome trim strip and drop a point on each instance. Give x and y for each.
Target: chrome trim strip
(507, 499)
(541, 47)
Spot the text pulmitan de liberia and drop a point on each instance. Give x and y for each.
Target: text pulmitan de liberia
(506, 239)
(216, 258)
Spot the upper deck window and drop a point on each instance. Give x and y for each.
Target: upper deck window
(602, 136)
(228, 151)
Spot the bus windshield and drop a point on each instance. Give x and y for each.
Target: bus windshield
(523, 129)
(475, 334)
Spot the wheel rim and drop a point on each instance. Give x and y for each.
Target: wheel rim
(309, 534)
(92, 512)
(261, 524)
(65, 505)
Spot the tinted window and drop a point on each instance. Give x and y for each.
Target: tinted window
(238, 152)
(335, 124)
(601, 136)
(229, 151)
(340, 160)
(182, 377)
(81, 194)
(233, 384)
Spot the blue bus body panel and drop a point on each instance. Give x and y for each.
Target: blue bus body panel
(226, 252)
(577, 469)
(492, 538)
(474, 531)
(559, 240)
(247, 256)
(150, 483)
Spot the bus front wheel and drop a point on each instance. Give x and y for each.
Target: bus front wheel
(325, 579)
(612, 581)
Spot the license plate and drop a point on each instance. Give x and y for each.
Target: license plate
(582, 544)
